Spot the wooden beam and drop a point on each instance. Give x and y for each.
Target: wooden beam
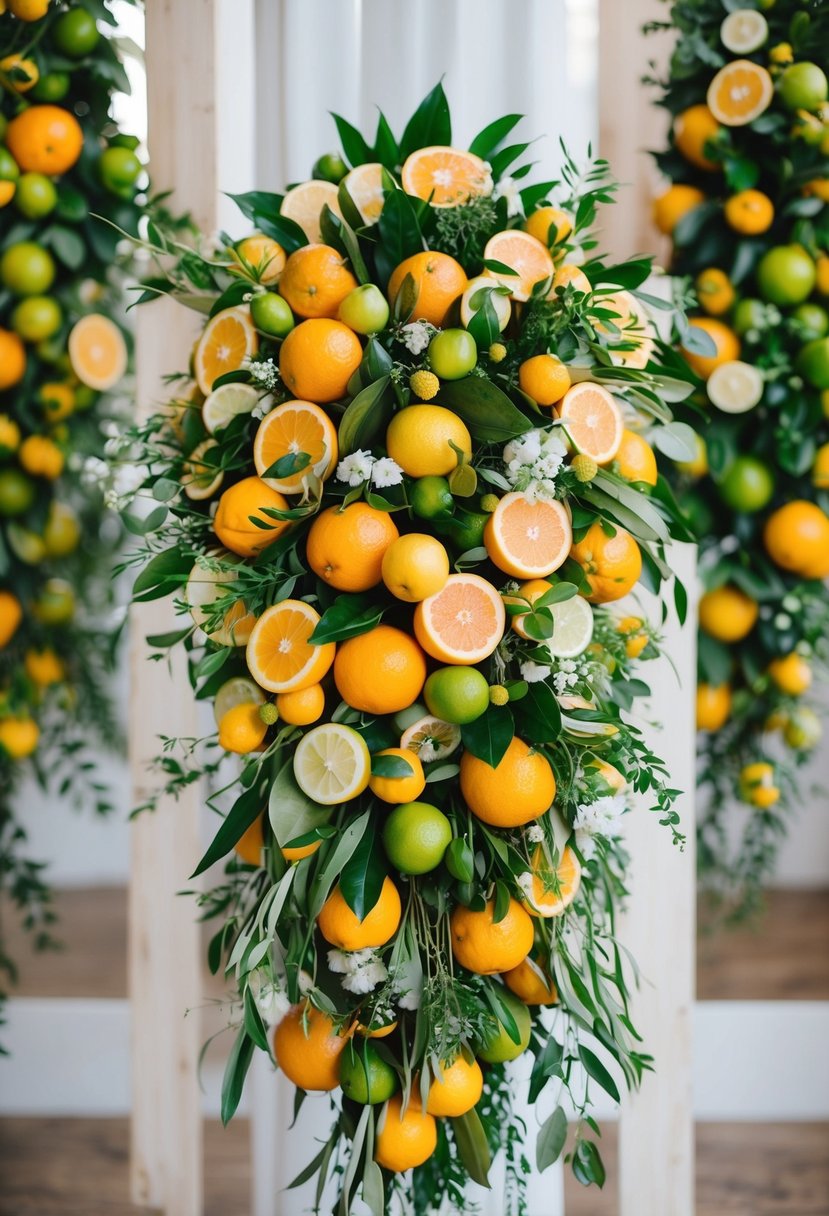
(164, 943)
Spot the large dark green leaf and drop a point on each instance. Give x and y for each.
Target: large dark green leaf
(363, 876)
(538, 714)
(246, 808)
(263, 209)
(366, 417)
(595, 1069)
(347, 617)
(430, 123)
(486, 141)
(399, 234)
(162, 575)
(489, 736)
(486, 410)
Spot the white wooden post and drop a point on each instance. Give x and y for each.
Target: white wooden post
(164, 948)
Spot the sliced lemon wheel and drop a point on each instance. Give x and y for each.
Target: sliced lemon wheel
(204, 589)
(225, 403)
(735, 387)
(304, 206)
(743, 31)
(473, 299)
(238, 690)
(572, 628)
(199, 478)
(332, 764)
(365, 188)
(431, 738)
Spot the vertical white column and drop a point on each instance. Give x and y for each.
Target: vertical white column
(164, 943)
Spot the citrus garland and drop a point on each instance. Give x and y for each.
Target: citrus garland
(397, 497)
(747, 213)
(60, 352)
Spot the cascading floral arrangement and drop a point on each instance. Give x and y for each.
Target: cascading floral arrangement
(396, 497)
(63, 163)
(747, 213)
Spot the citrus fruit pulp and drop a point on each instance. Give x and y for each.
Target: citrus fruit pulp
(279, 656)
(225, 403)
(592, 421)
(739, 93)
(446, 177)
(463, 622)
(523, 253)
(304, 206)
(548, 888)
(332, 763)
(292, 428)
(228, 339)
(528, 539)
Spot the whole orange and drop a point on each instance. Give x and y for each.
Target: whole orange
(520, 788)
(407, 788)
(796, 537)
(308, 1048)
(438, 279)
(693, 128)
(456, 1088)
(670, 207)
(45, 139)
(12, 359)
(530, 981)
(713, 706)
(318, 358)
(725, 340)
(404, 1139)
(486, 946)
(381, 671)
(749, 212)
(612, 564)
(343, 928)
(727, 613)
(346, 545)
(232, 523)
(544, 378)
(315, 281)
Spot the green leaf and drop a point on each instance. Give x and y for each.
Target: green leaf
(162, 575)
(357, 151)
(470, 1138)
(366, 417)
(290, 811)
(547, 1064)
(486, 410)
(246, 809)
(676, 440)
(363, 876)
(489, 736)
(460, 860)
(398, 234)
(595, 1069)
(386, 150)
(69, 247)
(238, 1063)
(163, 641)
(538, 714)
(587, 1164)
(487, 140)
(347, 617)
(374, 1192)
(552, 1137)
(340, 234)
(263, 209)
(484, 325)
(430, 124)
(391, 766)
(254, 1026)
(336, 861)
(502, 1011)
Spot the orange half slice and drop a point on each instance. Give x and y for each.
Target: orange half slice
(446, 177)
(291, 429)
(551, 889)
(97, 352)
(593, 421)
(461, 623)
(523, 253)
(528, 539)
(228, 339)
(739, 93)
(279, 655)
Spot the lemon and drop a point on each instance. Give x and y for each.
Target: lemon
(743, 31)
(241, 729)
(431, 738)
(225, 402)
(735, 387)
(572, 628)
(201, 480)
(415, 566)
(236, 691)
(332, 764)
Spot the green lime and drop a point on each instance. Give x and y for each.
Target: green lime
(803, 86)
(62, 533)
(503, 1047)
(36, 196)
(813, 363)
(56, 603)
(75, 33)
(17, 493)
(271, 314)
(37, 318)
(812, 319)
(747, 485)
(27, 269)
(749, 314)
(456, 694)
(786, 275)
(431, 498)
(452, 354)
(330, 168)
(465, 530)
(416, 836)
(365, 1076)
(119, 169)
(9, 168)
(52, 87)
(365, 309)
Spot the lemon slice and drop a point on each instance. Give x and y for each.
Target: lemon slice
(735, 387)
(238, 690)
(225, 402)
(203, 589)
(201, 480)
(332, 764)
(572, 628)
(744, 31)
(365, 187)
(304, 206)
(431, 738)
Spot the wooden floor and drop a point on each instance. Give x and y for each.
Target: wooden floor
(78, 1167)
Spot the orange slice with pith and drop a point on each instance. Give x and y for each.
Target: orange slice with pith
(593, 421)
(228, 339)
(552, 888)
(525, 254)
(279, 655)
(461, 623)
(528, 539)
(97, 352)
(291, 429)
(739, 93)
(447, 177)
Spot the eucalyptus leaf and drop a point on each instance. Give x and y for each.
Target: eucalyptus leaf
(552, 1136)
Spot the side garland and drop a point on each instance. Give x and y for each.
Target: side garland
(747, 213)
(62, 164)
(401, 483)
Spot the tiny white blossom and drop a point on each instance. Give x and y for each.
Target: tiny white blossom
(410, 999)
(535, 834)
(111, 500)
(417, 335)
(534, 673)
(94, 469)
(509, 189)
(366, 978)
(526, 883)
(110, 429)
(271, 1000)
(600, 818)
(386, 472)
(127, 479)
(427, 752)
(263, 372)
(362, 970)
(356, 468)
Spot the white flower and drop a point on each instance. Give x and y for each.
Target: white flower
(362, 970)
(127, 479)
(386, 472)
(524, 450)
(535, 834)
(94, 470)
(599, 818)
(525, 883)
(417, 335)
(356, 468)
(110, 429)
(410, 999)
(271, 1000)
(264, 372)
(508, 188)
(534, 673)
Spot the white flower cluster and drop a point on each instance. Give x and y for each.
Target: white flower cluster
(417, 335)
(533, 461)
(565, 673)
(362, 970)
(361, 467)
(509, 189)
(264, 372)
(600, 818)
(534, 834)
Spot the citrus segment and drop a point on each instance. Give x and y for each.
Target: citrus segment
(572, 628)
(279, 655)
(229, 338)
(739, 93)
(304, 206)
(204, 589)
(332, 765)
(528, 539)
(744, 30)
(463, 622)
(225, 403)
(97, 352)
(200, 476)
(293, 428)
(549, 889)
(593, 421)
(477, 291)
(446, 177)
(523, 253)
(365, 189)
